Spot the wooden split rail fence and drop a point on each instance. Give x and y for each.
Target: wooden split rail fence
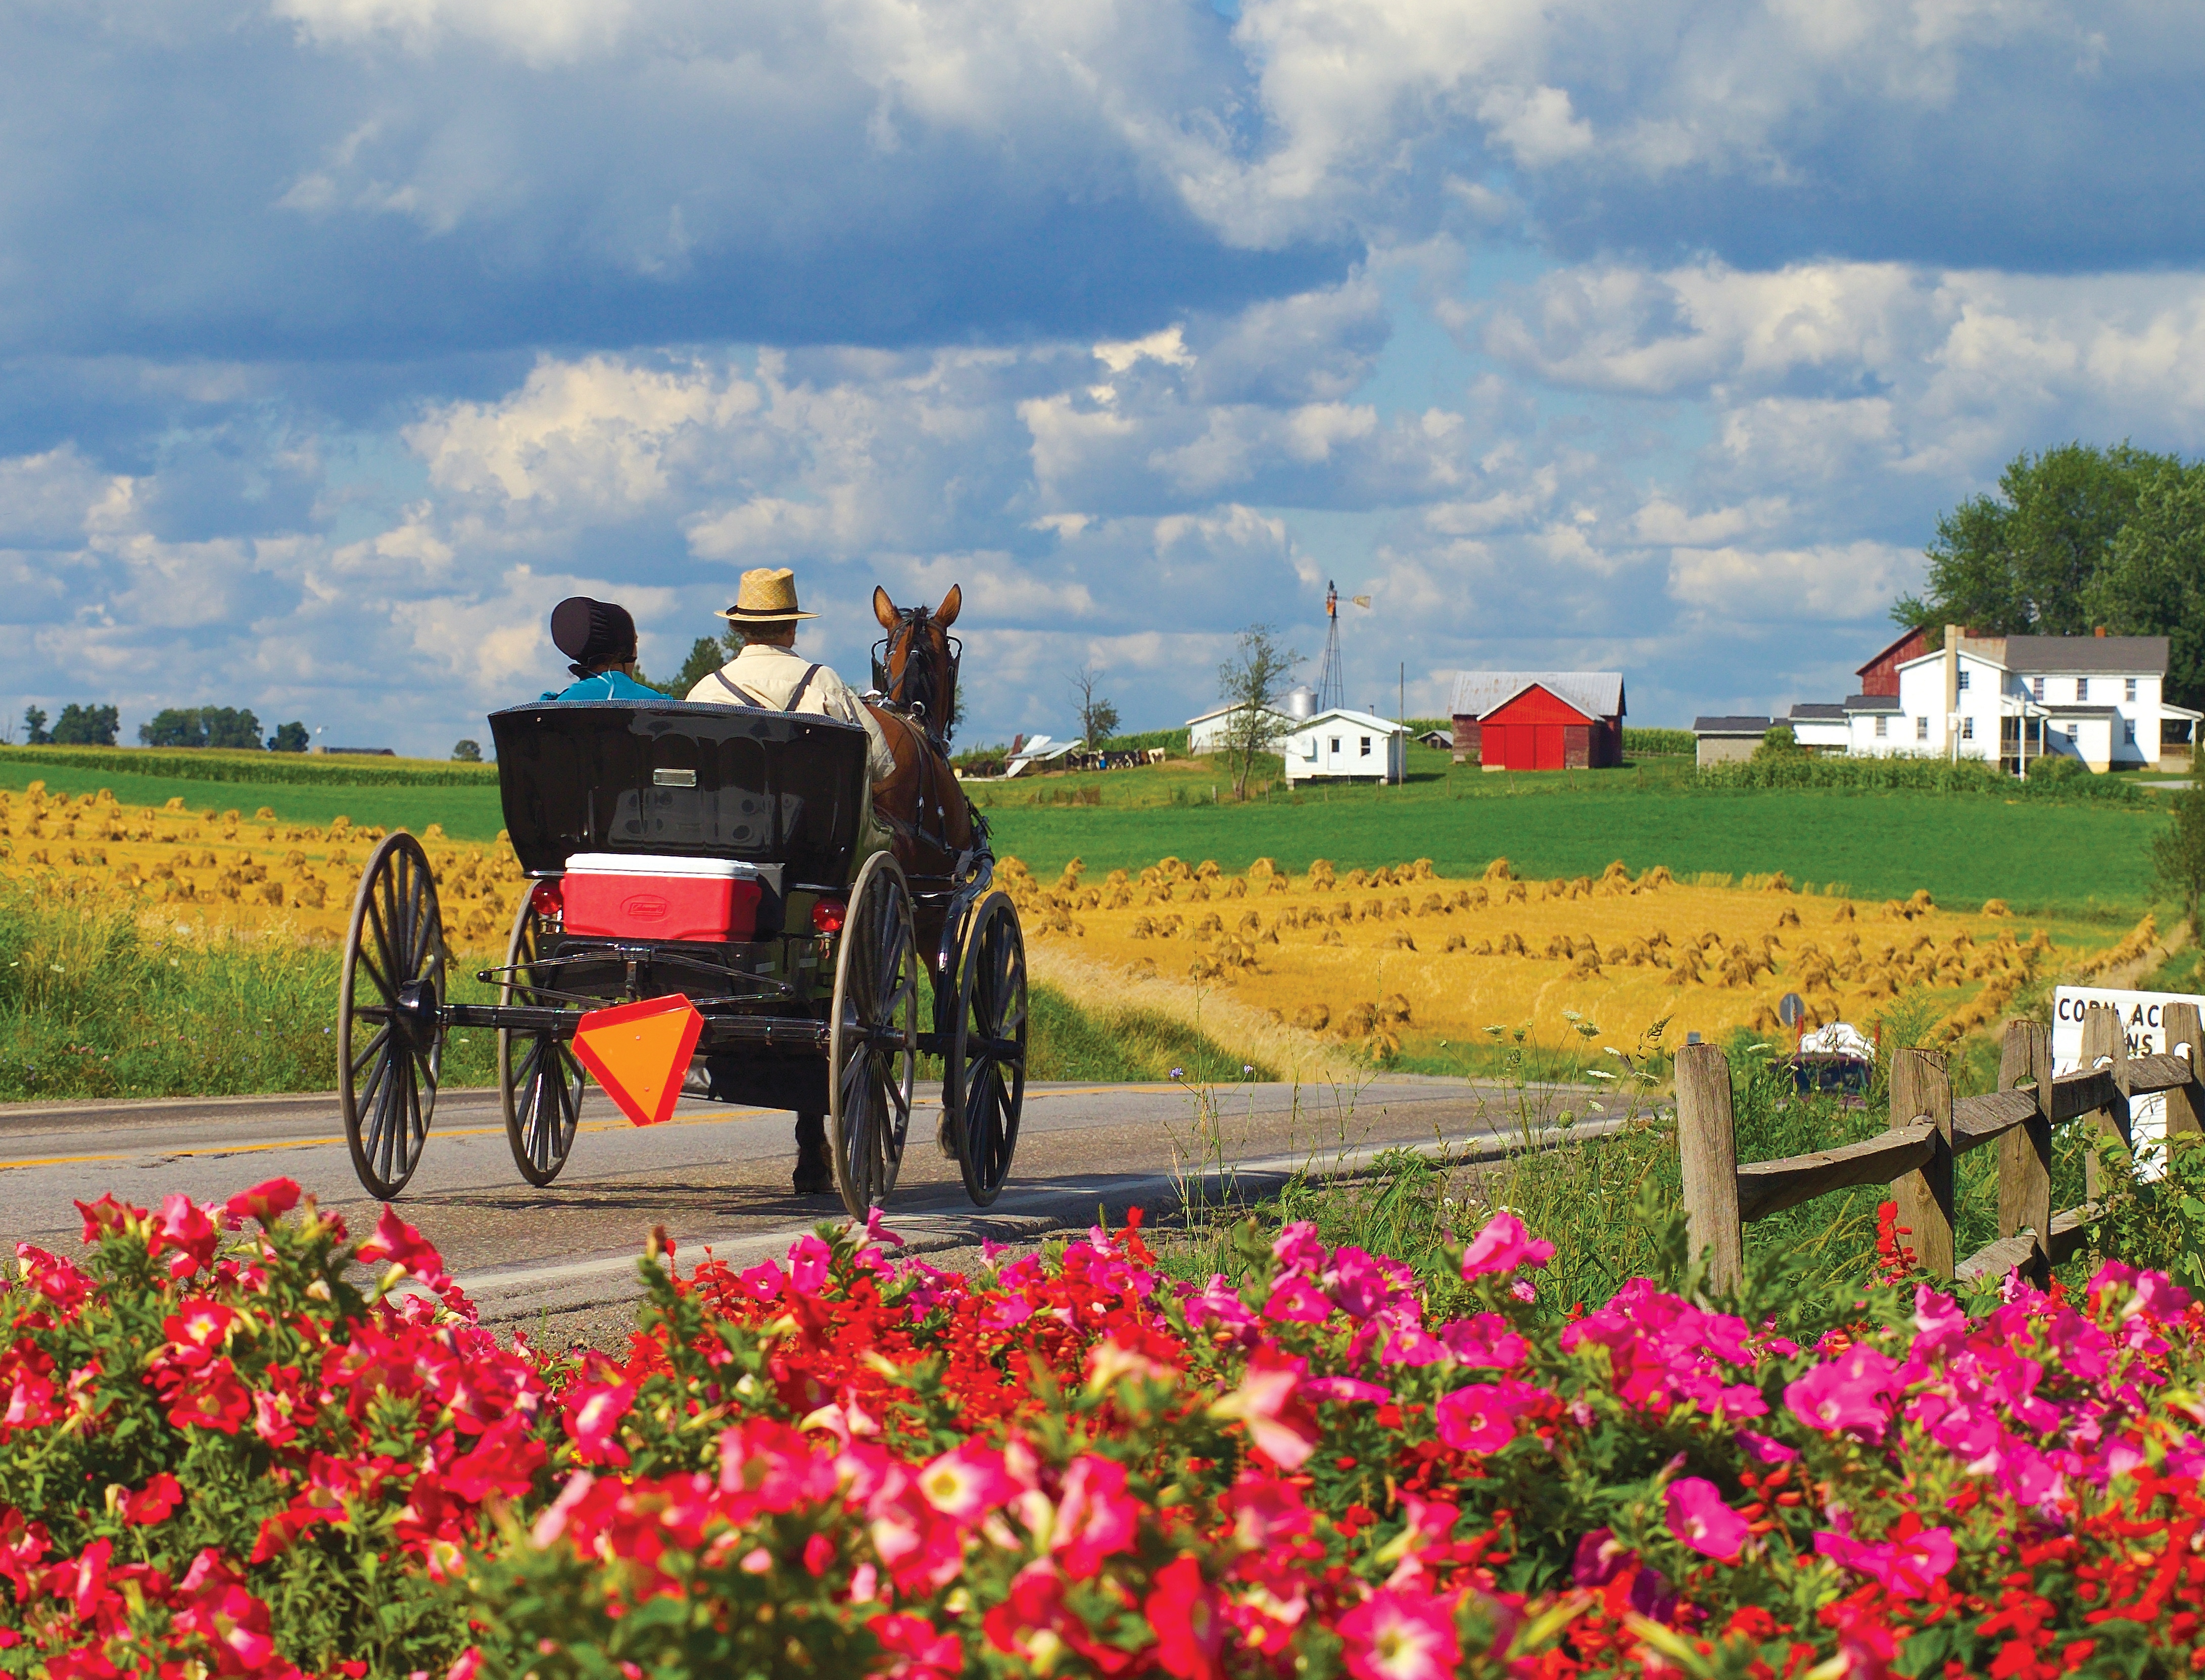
(1930, 1131)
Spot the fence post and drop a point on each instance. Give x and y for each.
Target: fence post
(2104, 1038)
(2024, 1154)
(1921, 1087)
(2185, 1104)
(1707, 1153)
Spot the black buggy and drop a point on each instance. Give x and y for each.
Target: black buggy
(815, 1008)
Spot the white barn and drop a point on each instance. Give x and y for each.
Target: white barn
(1346, 746)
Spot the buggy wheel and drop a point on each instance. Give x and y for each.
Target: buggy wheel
(872, 1050)
(984, 1082)
(539, 1081)
(390, 1027)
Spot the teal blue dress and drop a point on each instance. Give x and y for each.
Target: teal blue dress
(605, 686)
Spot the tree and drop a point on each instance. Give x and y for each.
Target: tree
(706, 655)
(34, 727)
(289, 738)
(87, 726)
(2020, 563)
(1252, 682)
(172, 726)
(1777, 741)
(467, 753)
(1098, 718)
(2178, 855)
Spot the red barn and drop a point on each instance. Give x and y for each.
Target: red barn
(1539, 720)
(1881, 674)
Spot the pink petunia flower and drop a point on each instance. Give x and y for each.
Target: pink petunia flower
(1700, 1519)
(1907, 1565)
(1296, 1300)
(809, 1260)
(1481, 1417)
(1188, 1615)
(966, 1482)
(267, 1201)
(1396, 1634)
(1849, 1393)
(1503, 1246)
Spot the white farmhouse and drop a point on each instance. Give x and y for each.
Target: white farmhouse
(2012, 699)
(1345, 745)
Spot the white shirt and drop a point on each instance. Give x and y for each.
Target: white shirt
(770, 675)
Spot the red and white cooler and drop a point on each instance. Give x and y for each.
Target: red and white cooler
(633, 896)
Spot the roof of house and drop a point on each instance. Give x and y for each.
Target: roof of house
(2064, 655)
(2088, 655)
(1818, 711)
(1362, 720)
(1595, 693)
(2082, 711)
(1873, 702)
(1730, 726)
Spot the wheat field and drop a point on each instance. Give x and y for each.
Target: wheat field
(215, 871)
(1371, 959)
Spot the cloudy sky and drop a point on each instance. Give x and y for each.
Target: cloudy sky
(340, 338)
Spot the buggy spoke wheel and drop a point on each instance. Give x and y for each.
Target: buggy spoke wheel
(872, 1051)
(539, 1081)
(984, 1076)
(390, 1033)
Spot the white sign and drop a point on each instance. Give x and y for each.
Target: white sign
(2142, 1020)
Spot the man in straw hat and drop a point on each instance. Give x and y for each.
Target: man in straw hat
(770, 673)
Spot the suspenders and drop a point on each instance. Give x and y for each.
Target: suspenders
(751, 699)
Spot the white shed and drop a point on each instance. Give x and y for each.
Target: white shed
(1345, 745)
(1207, 733)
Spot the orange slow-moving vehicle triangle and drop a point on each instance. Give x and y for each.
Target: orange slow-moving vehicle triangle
(639, 1052)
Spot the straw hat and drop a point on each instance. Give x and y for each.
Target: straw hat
(768, 595)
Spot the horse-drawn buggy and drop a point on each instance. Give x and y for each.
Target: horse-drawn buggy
(703, 919)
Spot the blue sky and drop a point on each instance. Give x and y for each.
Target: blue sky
(340, 338)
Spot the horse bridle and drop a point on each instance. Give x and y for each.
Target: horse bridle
(919, 687)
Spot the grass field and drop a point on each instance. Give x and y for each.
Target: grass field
(468, 813)
(2039, 856)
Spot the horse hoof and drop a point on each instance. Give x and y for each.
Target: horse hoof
(947, 1140)
(819, 1182)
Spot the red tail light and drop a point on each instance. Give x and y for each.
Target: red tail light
(829, 914)
(547, 901)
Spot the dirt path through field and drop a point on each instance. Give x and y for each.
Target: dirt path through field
(1103, 988)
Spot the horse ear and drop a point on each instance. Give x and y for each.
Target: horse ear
(884, 608)
(946, 615)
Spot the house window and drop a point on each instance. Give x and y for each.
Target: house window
(2036, 688)
(1963, 679)
(1882, 727)
(2130, 728)
(2082, 689)
(2072, 731)
(1335, 743)
(1366, 746)
(1921, 728)
(2128, 688)
(1309, 748)
(1967, 728)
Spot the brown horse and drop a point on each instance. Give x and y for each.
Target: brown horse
(921, 804)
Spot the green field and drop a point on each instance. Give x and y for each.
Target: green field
(1964, 848)
(468, 813)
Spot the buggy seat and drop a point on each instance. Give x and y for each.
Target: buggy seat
(767, 787)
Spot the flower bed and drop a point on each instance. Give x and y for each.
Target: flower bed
(231, 1461)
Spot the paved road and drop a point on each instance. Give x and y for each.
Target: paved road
(716, 1175)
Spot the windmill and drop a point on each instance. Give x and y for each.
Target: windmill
(1331, 680)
